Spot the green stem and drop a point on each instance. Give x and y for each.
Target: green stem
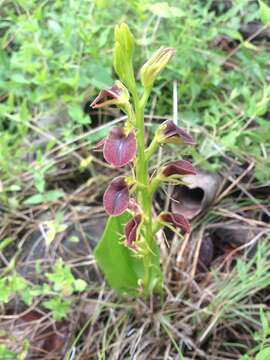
(152, 148)
(145, 198)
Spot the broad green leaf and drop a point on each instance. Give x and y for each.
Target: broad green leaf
(121, 268)
(35, 199)
(232, 33)
(264, 13)
(264, 354)
(52, 195)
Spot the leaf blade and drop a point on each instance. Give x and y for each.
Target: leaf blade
(121, 268)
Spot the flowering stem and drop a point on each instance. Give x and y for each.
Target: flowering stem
(144, 195)
(127, 145)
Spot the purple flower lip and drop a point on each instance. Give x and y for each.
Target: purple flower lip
(176, 220)
(131, 230)
(178, 168)
(113, 93)
(116, 197)
(119, 149)
(175, 135)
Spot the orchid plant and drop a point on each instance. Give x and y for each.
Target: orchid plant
(128, 252)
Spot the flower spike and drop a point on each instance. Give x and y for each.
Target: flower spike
(136, 270)
(116, 197)
(169, 133)
(119, 149)
(178, 168)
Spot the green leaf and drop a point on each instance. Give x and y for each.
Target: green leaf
(163, 10)
(232, 33)
(34, 200)
(53, 195)
(264, 13)
(245, 357)
(5, 291)
(58, 306)
(98, 134)
(97, 75)
(39, 181)
(229, 140)
(6, 354)
(80, 285)
(49, 196)
(121, 268)
(264, 354)
(54, 26)
(76, 113)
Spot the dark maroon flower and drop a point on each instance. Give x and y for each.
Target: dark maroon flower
(179, 168)
(176, 220)
(119, 148)
(116, 197)
(172, 134)
(117, 94)
(131, 229)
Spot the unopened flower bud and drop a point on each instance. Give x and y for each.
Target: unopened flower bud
(152, 68)
(124, 37)
(123, 52)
